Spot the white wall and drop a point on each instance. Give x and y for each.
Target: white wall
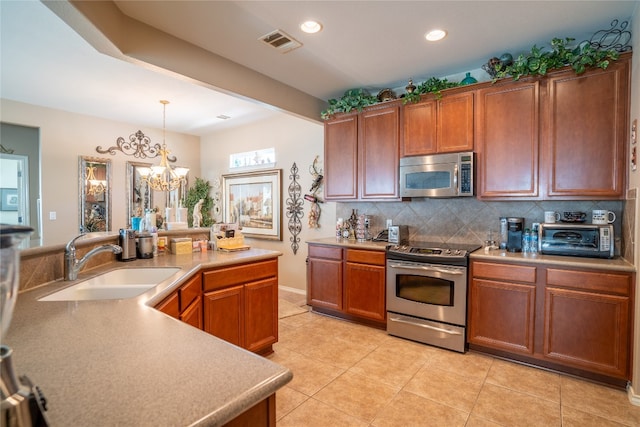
(65, 136)
(295, 140)
(634, 183)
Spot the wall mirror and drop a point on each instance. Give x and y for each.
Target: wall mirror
(139, 195)
(95, 194)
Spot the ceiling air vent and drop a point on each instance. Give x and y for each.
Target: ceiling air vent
(281, 41)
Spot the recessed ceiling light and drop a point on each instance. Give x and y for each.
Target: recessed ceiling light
(435, 35)
(311, 27)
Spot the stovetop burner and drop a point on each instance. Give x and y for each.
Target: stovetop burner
(431, 252)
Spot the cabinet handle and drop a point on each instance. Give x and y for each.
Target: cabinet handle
(455, 179)
(422, 325)
(426, 268)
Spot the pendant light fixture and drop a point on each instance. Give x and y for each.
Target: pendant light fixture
(163, 177)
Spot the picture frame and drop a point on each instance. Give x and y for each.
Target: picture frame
(254, 201)
(8, 199)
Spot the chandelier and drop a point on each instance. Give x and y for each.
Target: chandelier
(95, 186)
(164, 177)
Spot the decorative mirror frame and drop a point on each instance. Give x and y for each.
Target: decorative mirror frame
(94, 209)
(135, 189)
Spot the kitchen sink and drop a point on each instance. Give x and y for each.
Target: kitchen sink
(115, 284)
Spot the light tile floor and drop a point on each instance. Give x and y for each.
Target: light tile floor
(351, 375)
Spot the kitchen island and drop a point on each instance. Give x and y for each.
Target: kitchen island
(122, 362)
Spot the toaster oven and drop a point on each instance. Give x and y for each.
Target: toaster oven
(583, 240)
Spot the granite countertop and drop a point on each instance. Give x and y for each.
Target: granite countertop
(347, 243)
(122, 362)
(501, 255)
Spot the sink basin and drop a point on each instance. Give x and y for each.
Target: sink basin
(115, 284)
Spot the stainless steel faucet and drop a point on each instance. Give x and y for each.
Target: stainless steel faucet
(72, 265)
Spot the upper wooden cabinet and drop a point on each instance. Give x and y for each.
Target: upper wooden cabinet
(507, 140)
(362, 155)
(558, 137)
(438, 125)
(585, 129)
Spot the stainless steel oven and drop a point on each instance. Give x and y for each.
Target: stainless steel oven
(427, 293)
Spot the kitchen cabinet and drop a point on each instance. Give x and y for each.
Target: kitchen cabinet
(585, 133)
(364, 284)
(347, 283)
(507, 140)
(438, 125)
(185, 303)
(324, 277)
(362, 155)
(573, 320)
(556, 137)
(240, 304)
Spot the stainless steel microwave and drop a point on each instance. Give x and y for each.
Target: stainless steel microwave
(584, 240)
(437, 175)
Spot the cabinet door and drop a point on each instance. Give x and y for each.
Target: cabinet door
(170, 305)
(193, 314)
(502, 315)
(324, 283)
(341, 158)
(507, 142)
(365, 290)
(379, 153)
(586, 133)
(455, 123)
(587, 330)
(224, 314)
(261, 314)
(419, 128)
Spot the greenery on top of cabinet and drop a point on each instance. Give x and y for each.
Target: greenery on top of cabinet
(538, 61)
(353, 99)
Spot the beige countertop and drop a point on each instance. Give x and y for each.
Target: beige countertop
(333, 241)
(616, 264)
(121, 362)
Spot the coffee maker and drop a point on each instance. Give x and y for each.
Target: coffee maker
(515, 226)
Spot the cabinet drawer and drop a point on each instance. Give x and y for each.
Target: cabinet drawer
(366, 257)
(190, 291)
(518, 273)
(598, 281)
(325, 252)
(240, 274)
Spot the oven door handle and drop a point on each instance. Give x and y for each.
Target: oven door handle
(426, 268)
(422, 325)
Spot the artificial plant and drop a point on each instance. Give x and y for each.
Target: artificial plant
(539, 61)
(353, 99)
(200, 190)
(431, 85)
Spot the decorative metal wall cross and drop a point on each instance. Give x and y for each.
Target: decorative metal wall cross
(294, 208)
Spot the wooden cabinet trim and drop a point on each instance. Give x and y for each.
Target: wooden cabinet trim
(170, 305)
(329, 252)
(595, 281)
(365, 256)
(238, 274)
(518, 273)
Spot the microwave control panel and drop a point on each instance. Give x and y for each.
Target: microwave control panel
(466, 179)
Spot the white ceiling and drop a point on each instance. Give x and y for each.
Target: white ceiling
(364, 44)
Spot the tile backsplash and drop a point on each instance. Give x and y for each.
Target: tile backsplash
(469, 220)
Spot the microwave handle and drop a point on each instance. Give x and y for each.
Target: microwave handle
(455, 179)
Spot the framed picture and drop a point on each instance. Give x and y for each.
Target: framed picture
(254, 201)
(8, 199)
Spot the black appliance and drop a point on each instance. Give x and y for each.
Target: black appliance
(514, 234)
(583, 240)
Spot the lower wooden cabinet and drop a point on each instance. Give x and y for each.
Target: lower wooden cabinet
(262, 414)
(238, 304)
(348, 283)
(185, 303)
(241, 304)
(574, 320)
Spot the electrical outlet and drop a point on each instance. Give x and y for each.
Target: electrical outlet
(52, 216)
